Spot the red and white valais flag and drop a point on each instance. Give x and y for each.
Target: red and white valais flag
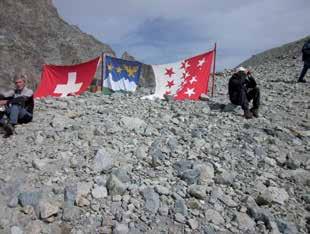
(186, 79)
(61, 81)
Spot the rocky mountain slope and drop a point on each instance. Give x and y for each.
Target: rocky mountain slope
(288, 51)
(33, 34)
(119, 164)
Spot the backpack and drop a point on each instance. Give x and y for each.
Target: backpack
(306, 48)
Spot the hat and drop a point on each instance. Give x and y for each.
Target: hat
(241, 69)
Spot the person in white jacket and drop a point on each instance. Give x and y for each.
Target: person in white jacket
(18, 105)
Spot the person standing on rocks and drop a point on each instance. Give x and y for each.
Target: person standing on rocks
(242, 88)
(306, 60)
(18, 105)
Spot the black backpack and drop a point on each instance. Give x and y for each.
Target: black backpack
(306, 48)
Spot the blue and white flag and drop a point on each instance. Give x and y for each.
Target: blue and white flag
(121, 74)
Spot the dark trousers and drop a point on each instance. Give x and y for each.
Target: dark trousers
(304, 71)
(16, 114)
(245, 96)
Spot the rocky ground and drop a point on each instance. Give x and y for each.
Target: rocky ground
(118, 164)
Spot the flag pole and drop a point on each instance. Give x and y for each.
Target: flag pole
(213, 75)
(102, 69)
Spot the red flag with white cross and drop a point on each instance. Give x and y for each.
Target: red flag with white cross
(62, 81)
(186, 79)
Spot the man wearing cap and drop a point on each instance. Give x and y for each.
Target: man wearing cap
(18, 105)
(242, 89)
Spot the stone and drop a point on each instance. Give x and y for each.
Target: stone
(16, 230)
(227, 201)
(225, 178)
(190, 176)
(39, 163)
(83, 189)
(34, 227)
(179, 218)
(70, 194)
(151, 199)
(121, 174)
(99, 192)
(29, 198)
(272, 194)
(132, 123)
(121, 228)
(286, 227)
(163, 210)
(206, 173)
(198, 191)
(193, 223)
(278, 195)
(214, 217)
(180, 207)
(103, 161)
(47, 209)
(82, 201)
(115, 186)
(300, 176)
(13, 202)
(162, 190)
(182, 165)
(70, 213)
(245, 223)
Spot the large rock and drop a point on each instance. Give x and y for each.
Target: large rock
(214, 217)
(103, 161)
(245, 223)
(115, 186)
(47, 209)
(151, 199)
(30, 198)
(272, 194)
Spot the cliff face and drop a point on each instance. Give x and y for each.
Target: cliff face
(32, 34)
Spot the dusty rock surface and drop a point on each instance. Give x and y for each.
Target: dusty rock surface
(119, 164)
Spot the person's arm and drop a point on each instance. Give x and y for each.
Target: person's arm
(252, 81)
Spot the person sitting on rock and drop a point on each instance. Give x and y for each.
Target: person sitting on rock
(306, 60)
(18, 105)
(242, 88)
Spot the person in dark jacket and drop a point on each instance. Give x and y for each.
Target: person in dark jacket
(18, 105)
(242, 89)
(306, 60)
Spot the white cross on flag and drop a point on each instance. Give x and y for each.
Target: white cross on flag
(62, 81)
(186, 79)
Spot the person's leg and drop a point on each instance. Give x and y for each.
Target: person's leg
(254, 95)
(2, 121)
(24, 116)
(303, 73)
(244, 102)
(14, 112)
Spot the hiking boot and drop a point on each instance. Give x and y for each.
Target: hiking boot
(255, 112)
(248, 114)
(9, 130)
(301, 81)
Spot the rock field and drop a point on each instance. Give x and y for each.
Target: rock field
(118, 164)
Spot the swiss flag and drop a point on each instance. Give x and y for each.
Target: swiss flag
(186, 79)
(61, 81)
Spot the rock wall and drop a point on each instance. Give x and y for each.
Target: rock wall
(32, 34)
